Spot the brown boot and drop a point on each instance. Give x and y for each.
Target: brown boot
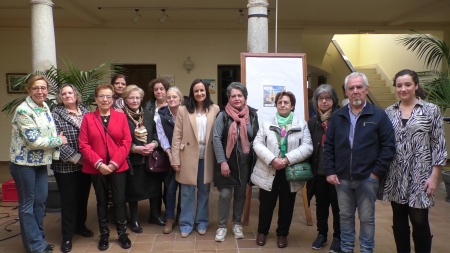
(168, 227)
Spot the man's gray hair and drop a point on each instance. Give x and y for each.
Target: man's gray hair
(356, 74)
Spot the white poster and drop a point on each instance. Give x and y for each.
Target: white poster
(267, 74)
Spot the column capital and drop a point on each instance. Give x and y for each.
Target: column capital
(257, 3)
(44, 2)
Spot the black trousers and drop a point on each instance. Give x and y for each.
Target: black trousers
(325, 196)
(421, 228)
(118, 183)
(281, 190)
(74, 188)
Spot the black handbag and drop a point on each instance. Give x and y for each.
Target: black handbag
(298, 172)
(157, 162)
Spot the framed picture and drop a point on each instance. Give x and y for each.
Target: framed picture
(267, 74)
(11, 80)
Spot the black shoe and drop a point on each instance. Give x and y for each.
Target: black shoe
(320, 241)
(125, 242)
(335, 246)
(66, 246)
(157, 220)
(261, 239)
(103, 244)
(85, 232)
(135, 227)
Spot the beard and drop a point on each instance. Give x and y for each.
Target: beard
(357, 102)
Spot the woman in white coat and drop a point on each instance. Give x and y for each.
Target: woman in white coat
(286, 140)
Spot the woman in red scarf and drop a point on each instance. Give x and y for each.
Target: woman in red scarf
(234, 130)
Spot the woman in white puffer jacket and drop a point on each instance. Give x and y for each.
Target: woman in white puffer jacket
(284, 141)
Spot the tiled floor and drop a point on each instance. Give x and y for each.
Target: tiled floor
(153, 240)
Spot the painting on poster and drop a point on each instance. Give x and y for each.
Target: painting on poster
(267, 74)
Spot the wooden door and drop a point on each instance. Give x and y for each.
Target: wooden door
(141, 75)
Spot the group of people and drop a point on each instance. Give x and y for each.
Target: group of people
(357, 153)
(362, 153)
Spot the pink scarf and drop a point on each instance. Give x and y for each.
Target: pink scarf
(240, 117)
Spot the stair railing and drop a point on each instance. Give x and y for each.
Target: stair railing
(352, 69)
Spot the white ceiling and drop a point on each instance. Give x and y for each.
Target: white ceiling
(338, 16)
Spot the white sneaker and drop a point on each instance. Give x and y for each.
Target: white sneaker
(237, 231)
(221, 233)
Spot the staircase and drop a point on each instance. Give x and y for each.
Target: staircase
(377, 87)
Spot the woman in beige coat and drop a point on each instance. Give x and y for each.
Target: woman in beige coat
(192, 138)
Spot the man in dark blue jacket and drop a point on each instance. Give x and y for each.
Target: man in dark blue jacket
(359, 148)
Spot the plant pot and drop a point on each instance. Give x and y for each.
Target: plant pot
(446, 180)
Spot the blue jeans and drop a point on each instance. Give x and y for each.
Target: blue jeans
(32, 186)
(187, 215)
(359, 194)
(171, 195)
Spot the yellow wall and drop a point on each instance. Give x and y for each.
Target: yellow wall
(380, 49)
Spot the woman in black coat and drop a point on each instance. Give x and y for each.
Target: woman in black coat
(140, 184)
(234, 131)
(325, 102)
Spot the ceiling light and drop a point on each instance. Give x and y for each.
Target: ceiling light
(136, 17)
(163, 19)
(241, 18)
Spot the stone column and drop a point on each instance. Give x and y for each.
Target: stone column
(43, 48)
(258, 29)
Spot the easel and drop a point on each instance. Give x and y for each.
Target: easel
(248, 202)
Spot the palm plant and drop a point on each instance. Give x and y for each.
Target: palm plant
(434, 51)
(84, 81)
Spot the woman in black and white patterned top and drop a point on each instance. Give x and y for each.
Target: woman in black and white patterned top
(420, 156)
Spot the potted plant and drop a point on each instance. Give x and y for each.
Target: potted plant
(84, 81)
(434, 51)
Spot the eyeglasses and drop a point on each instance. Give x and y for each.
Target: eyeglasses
(101, 97)
(134, 98)
(36, 88)
(321, 99)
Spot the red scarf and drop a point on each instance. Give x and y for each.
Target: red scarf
(240, 117)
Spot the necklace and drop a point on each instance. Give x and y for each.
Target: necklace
(105, 118)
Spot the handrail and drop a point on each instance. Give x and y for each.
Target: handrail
(352, 69)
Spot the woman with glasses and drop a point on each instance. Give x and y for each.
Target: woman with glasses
(73, 185)
(325, 102)
(34, 143)
(105, 142)
(141, 184)
(164, 127)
